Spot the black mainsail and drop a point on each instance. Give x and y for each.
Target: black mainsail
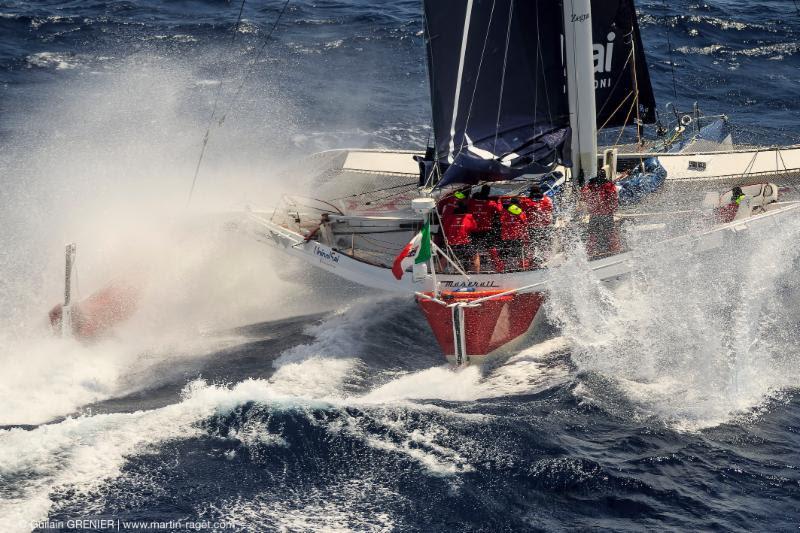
(497, 87)
(498, 84)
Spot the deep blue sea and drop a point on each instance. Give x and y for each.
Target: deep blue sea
(252, 394)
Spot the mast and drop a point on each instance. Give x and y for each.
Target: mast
(580, 87)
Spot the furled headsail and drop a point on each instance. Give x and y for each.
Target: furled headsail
(620, 66)
(497, 87)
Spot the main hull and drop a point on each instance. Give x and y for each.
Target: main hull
(468, 333)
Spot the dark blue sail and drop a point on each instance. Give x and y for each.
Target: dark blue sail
(498, 87)
(622, 81)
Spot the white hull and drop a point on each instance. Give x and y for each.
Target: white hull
(381, 278)
(759, 163)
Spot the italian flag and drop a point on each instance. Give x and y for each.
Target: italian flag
(417, 251)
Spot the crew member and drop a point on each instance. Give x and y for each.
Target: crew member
(314, 232)
(601, 200)
(513, 236)
(538, 209)
(448, 203)
(458, 227)
(484, 210)
(727, 213)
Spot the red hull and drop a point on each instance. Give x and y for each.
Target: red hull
(486, 327)
(98, 314)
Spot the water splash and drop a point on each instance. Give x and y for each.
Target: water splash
(691, 339)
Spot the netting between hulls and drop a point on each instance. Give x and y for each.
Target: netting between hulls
(355, 191)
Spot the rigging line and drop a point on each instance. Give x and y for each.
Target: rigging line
(671, 56)
(238, 22)
(428, 38)
(615, 111)
(636, 97)
(751, 164)
(503, 76)
(386, 197)
(255, 60)
(613, 90)
(622, 129)
(236, 94)
(477, 76)
(459, 79)
(448, 250)
(214, 108)
(538, 63)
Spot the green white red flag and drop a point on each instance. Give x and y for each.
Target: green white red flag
(415, 252)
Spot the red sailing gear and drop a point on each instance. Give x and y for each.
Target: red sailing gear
(450, 201)
(726, 213)
(457, 228)
(513, 227)
(483, 211)
(600, 198)
(446, 204)
(539, 212)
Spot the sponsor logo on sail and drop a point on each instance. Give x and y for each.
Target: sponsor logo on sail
(603, 59)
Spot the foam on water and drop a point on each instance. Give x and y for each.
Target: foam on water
(691, 339)
(343, 333)
(342, 508)
(83, 453)
(526, 372)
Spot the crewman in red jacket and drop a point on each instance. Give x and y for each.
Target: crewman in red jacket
(513, 236)
(448, 203)
(485, 211)
(538, 209)
(601, 200)
(727, 213)
(458, 225)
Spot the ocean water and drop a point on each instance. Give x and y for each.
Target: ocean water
(251, 394)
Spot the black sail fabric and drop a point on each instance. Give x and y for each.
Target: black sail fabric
(505, 112)
(620, 66)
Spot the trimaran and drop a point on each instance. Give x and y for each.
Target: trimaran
(519, 91)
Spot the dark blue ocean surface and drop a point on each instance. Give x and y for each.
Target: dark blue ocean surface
(672, 406)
